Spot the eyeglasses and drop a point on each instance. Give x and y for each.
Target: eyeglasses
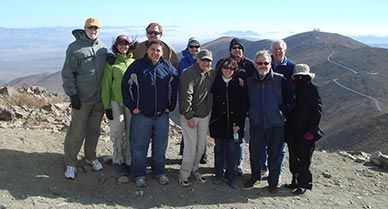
(123, 43)
(154, 32)
(194, 46)
(93, 28)
(237, 47)
(226, 67)
(260, 63)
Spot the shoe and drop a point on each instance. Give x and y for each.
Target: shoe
(250, 183)
(239, 171)
(95, 164)
(70, 172)
(273, 189)
(216, 180)
(140, 181)
(163, 179)
(184, 182)
(232, 184)
(292, 185)
(203, 159)
(299, 191)
(199, 177)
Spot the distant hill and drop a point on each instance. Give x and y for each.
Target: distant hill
(350, 121)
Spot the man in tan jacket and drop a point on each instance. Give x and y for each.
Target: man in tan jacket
(195, 107)
(154, 32)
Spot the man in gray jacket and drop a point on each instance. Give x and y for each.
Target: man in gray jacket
(82, 77)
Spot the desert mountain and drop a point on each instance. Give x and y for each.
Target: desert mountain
(351, 76)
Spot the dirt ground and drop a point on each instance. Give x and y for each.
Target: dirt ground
(31, 176)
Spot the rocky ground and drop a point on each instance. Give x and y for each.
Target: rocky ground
(31, 174)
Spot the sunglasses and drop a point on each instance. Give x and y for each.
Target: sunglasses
(237, 47)
(194, 46)
(92, 27)
(260, 63)
(227, 68)
(154, 32)
(123, 43)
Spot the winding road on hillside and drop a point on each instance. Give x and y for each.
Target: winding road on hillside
(378, 107)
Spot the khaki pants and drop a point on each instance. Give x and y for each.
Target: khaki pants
(195, 141)
(119, 133)
(85, 125)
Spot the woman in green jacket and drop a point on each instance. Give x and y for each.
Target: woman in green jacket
(119, 116)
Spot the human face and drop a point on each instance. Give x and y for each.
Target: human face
(153, 33)
(155, 52)
(263, 65)
(227, 70)
(278, 52)
(194, 49)
(237, 52)
(122, 47)
(205, 65)
(92, 32)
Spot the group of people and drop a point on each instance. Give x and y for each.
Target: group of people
(141, 83)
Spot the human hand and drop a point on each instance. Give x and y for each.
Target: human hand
(308, 136)
(191, 123)
(109, 114)
(75, 102)
(136, 111)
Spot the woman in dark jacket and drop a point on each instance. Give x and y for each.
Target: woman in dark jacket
(302, 122)
(230, 106)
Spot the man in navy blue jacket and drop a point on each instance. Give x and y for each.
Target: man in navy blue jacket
(149, 89)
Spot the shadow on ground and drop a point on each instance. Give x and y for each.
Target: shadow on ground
(41, 174)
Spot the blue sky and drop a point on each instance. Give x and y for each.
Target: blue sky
(203, 17)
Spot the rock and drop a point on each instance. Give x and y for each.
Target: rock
(379, 159)
(360, 159)
(326, 174)
(5, 114)
(123, 179)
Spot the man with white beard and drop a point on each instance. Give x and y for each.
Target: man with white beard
(270, 98)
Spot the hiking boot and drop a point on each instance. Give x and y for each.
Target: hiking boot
(163, 179)
(70, 172)
(140, 181)
(299, 191)
(199, 177)
(273, 189)
(250, 183)
(95, 164)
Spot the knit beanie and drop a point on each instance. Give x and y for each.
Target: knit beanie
(236, 41)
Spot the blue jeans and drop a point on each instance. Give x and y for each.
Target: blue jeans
(273, 139)
(226, 153)
(264, 160)
(142, 130)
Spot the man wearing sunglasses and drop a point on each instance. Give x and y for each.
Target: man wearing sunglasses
(154, 31)
(270, 98)
(82, 80)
